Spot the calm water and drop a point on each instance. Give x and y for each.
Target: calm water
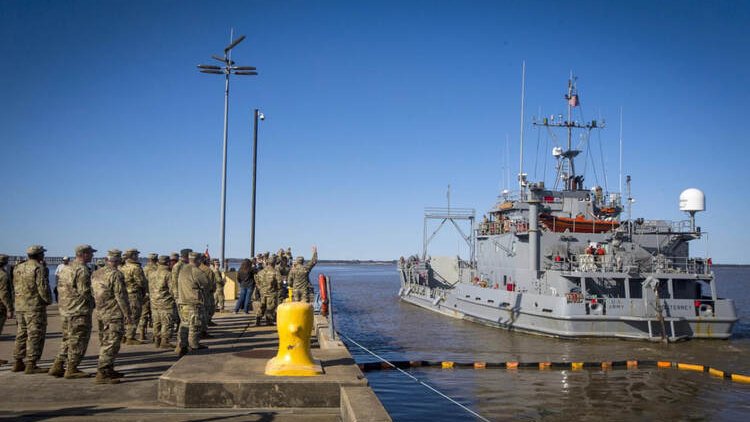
(368, 311)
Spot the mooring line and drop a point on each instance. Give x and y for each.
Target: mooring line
(416, 379)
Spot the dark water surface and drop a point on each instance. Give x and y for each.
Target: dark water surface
(368, 310)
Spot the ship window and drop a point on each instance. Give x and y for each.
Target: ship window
(505, 280)
(636, 289)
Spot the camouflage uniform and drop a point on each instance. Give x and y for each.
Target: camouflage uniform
(136, 285)
(6, 300)
(32, 296)
(283, 268)
(209, 306)
(220, 282)
(190, 304)
(267, 282)
(146, 315)
(299, 278)
(76, 303)
(162, 303)
(112, 307)
(176, 268)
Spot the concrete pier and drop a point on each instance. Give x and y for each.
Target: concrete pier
(225, 381)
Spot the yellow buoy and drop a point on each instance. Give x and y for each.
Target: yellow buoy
(294, 321)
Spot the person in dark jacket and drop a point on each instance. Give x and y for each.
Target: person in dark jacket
(246, 280)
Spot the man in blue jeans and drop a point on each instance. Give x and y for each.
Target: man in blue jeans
(246, 280)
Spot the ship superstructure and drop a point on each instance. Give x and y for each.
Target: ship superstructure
(562, 261)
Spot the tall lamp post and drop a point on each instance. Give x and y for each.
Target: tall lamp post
(257, 115)
(228, 68)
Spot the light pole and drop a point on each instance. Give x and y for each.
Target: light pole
(256, 116)
(227, 69)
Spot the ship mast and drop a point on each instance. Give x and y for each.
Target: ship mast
(572, 181)
(572, 97)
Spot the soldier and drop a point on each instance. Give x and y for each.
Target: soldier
(282, 266)
(299, 277)
(207, 290)
(162, 303)
(136, 284)
(190, 304)
(112, 312)
(184, 253)
(58, 270)
(176, 267)
(146, 315)
(267, 282)
(173, 258)
(220, 282)
(32, 296)
(76, 303)
(100, 263)
(6, 299)
(151, 264)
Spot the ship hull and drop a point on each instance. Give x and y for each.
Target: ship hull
(553, 316)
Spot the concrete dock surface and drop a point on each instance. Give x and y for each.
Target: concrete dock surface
(136, 397)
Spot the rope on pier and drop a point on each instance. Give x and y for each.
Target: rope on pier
(384, 364)
(576, 366)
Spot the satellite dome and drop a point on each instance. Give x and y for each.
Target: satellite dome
(692, 200)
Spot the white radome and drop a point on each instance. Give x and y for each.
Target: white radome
(692, 200)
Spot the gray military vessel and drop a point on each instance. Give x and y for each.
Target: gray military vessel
(563, 262)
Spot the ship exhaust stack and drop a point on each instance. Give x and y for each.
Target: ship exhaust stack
(534, 249)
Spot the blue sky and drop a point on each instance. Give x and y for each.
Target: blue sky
(110, 136)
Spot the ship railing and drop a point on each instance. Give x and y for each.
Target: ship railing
(503, 226)
(663, 226)
(458, 213)
(616, 263)
(415, 273)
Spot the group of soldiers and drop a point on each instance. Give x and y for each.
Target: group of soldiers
(278, 276)
(181, 291)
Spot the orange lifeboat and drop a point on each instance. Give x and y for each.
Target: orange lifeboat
(580, 224)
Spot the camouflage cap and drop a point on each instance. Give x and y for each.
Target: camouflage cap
(299, 259)
(65, 259)
(215, 260)
(83, 248)
(114, 254)
(153, 256)
(163, 259)
(185, 252)
(175, 256)
(272, 260)
(3, 259)
(194, 255)
(132, 252)
(35, 249)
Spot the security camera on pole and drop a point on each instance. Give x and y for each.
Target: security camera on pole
(257, 115)
(228, 68)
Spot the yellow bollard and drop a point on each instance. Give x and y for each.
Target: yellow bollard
(294, 322)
